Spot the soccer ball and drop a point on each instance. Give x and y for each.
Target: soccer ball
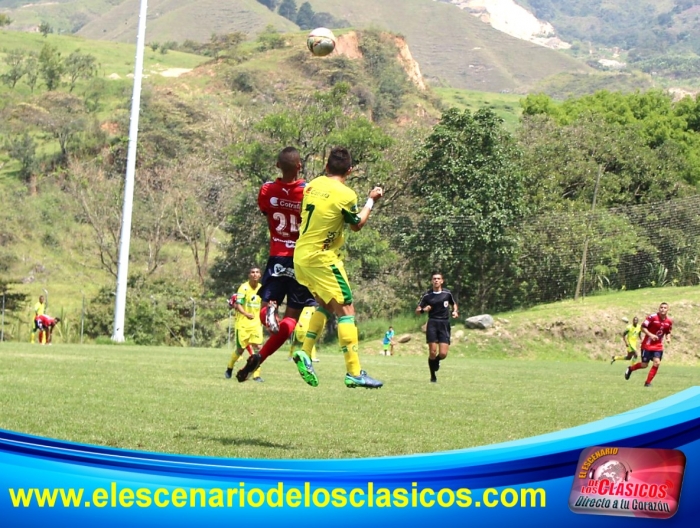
(321, 42)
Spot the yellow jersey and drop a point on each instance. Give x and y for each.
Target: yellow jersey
(248, 298)
(633, 332)
(39, 309)
(327, 206)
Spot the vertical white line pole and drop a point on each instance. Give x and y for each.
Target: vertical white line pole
(125, 236)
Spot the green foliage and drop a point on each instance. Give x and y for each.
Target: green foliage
(80, 66)
(5, 20)
(305, 16)
(270, 4)
(270, 39)
(468, 173)
(45, 28)
(51, 66)
(159, 312)
(288, 9)
(15, 59)
(22, 147)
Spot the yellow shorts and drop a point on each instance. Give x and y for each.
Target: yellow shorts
(326, 282)
(249, 336)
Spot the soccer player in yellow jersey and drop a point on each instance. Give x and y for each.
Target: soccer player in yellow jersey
(248, 326)
(39, 309)
(328, 205)
(631, 338)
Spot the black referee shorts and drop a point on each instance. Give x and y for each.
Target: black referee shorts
(438, 331)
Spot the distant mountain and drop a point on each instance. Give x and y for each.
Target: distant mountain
(490, 45)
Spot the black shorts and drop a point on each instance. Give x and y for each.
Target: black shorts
(649, 355)
(279, 281)
(438, 331)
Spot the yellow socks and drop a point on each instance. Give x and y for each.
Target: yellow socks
(348, 341)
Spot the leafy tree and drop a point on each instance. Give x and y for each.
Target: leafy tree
(80, 66)
(22, 148)
(305, 16)
(470, 191)
(288, 9)
(5, 20)
(45, 28)
(270, 4)
(51, 66)
(15, 60)
(32, 71)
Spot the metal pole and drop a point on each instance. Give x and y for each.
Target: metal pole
(46, 301)
(125, 235)
(2, 328)
(82, 320)
(194, 317)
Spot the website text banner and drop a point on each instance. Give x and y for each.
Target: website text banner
(529, 482)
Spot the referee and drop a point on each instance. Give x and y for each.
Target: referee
(436, 303)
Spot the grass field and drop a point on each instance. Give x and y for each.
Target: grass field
(177, 401)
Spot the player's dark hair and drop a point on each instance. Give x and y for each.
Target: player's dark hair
(339, 161)
(288, 158)
(437, 273)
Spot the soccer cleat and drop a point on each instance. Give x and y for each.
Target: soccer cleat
(628, 373)
(305, 368)
(315, 360)
(363, 380)
(433, 378)
(613, 360)
(271, 319)
(258, 379)
(647, 384)
(228, 373)
(251, 365)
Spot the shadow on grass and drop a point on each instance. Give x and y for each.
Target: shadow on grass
(255, 442)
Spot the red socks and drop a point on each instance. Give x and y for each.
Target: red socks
(277, 340)
(635, 367)
(652, 373)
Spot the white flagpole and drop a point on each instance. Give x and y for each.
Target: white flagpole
(125, 237)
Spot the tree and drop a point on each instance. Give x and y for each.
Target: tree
(305, 16)
(15, 59)
(51, 66)
(270, 4)
(469, 194)
(203, 198)
(5, 20)
(45, 28)
(288, 9)
(80, 66)
(22, 148)
(31, 70)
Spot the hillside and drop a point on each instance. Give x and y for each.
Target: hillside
(453, 47)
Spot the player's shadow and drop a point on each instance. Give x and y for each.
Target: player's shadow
(255, 442)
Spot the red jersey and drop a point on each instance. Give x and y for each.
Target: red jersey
(657, 327)
(45, 321)
(281, 203)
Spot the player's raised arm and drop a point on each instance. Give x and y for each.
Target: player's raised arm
(374, 195)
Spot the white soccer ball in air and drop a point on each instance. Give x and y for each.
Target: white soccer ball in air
(321, 42)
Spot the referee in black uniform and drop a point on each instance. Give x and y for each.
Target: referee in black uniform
(436, 303)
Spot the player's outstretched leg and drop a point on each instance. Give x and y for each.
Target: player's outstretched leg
(250, 366)
(363, 380)
(305, 367)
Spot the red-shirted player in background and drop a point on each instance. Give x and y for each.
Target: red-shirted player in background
(654, 328)
(45, 324)
(280, 201)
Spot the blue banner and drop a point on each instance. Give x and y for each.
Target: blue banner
(46, 482)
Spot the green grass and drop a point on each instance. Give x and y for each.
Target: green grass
(177, 401)
(504, 105)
